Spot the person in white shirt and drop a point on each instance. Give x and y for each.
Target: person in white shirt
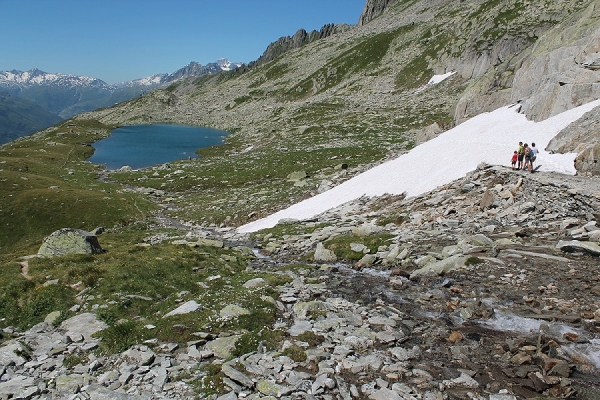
(532, 156)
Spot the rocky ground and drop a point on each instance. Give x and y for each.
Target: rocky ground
(488, 288)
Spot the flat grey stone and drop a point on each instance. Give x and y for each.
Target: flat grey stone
(185, 308)
(85, 324)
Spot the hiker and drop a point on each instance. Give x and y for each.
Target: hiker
(526, 154)
(533, 152)
(520, 155)
(513, 160)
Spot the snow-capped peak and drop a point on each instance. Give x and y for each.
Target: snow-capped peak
(37, 77)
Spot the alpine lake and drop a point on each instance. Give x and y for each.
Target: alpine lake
(140, 146)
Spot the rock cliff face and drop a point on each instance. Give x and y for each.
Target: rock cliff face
(560, 71)
(373, 9)
(581, 137)
(299, 39)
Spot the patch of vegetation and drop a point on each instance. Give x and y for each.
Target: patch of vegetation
(140, 285)
(396, 219)
(365, 55)
(281, 230)
(311, 338)
(47, 185)
(120, 337)
(24, 303)
(296, 353)
(277, 71)
(474, 261)
(316, 314)
(212, 383)
(341, 245)
(250, 341)
(417, 72)
(73, 359)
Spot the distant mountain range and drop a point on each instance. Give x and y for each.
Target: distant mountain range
(33, 100)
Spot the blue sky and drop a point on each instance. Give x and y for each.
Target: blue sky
(121, 40)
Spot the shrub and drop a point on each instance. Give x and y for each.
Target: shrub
(296, 353)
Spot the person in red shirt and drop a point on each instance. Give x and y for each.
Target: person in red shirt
(513, 161)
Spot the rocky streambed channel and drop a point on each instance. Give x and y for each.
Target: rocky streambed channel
(487, 288)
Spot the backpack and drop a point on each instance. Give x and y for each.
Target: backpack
(531, 154)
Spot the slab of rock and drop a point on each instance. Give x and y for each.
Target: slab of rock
(575, 245)
(233, 311)
(99, 392)
(440, 267)
(185, 308)
(69, 241)
(222, 347)
(323, 254)
(85, 324)
(237, 376)
(9, 353)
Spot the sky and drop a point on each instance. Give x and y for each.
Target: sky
(122, 40)
(495, 135)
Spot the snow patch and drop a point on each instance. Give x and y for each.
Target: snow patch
(439, 78)
(489, 137)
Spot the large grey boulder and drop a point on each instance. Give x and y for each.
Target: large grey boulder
(85, 324)
(68, 241)
(576, 246)
(323, 254)
(440, 267)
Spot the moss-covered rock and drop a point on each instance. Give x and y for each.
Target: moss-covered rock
(68, 241)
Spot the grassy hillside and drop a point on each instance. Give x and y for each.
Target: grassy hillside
(19, 117)
(47, 185)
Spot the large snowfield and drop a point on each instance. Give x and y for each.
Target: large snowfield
(490, 138)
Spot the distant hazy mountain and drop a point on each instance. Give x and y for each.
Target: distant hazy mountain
(20, 117)
(64, 95)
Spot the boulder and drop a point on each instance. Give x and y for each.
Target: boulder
(323, 254)
(85, 324)
(68, 241)
(222, 347)
(185, 308)
(575, 245)
(440, 267)
(210, 243)
(297, 176)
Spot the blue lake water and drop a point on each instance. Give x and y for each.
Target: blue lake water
(142, 146)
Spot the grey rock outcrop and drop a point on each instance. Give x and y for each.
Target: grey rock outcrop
(68, 241)
(373, 9)
(566, 54)
(299, 39)
(581, 137)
